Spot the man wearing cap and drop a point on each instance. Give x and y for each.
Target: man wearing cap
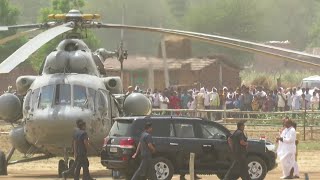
(238, 145)
(147, 148)
(80, 145)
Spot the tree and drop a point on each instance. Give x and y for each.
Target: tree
(59, 6)
(137, 12)
(232, 18)
(9, 16)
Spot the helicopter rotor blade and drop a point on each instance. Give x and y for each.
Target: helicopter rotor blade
(222, 42)
(235, 40)
(15, 36)
(6, 28)
(31, 46)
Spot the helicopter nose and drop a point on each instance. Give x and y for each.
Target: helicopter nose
(56, 125)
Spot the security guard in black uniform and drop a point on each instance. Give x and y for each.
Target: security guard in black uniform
(81, 143)
(238, 144)
(147, 148)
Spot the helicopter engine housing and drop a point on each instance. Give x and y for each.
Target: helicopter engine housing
(18, 140)
(137, 104)
(113, 84)
(10, 107)
(23, 83)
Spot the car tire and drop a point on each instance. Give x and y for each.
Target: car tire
(257, 168)
(3, 164)
(161, 169)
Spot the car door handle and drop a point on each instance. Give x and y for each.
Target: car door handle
(174, 144)
(206, 145)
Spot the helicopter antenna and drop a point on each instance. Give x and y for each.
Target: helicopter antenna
(122, 54)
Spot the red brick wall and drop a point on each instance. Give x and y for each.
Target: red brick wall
(10, 78)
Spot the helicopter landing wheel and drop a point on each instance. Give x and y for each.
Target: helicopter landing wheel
(71, 167)
(61, 167)
(3, 164)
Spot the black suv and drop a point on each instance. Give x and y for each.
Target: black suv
(174, 139)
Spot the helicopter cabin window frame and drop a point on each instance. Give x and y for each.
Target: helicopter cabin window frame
(34, 101)
(81, 101)
(103, 108)
(62, 95)
(47, 93)
(27, 101)
(92, 93)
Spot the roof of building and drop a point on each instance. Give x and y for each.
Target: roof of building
(137, 62)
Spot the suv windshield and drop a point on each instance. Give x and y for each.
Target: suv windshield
(121, 128)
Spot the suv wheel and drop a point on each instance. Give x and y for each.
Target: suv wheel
(257, 168)
(162, 169)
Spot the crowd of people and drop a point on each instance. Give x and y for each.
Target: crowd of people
(244, 98)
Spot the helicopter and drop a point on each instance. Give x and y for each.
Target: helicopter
(72, 85)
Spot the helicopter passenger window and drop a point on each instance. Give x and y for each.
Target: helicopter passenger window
(46, 96)
(63, 94)
(80, 96)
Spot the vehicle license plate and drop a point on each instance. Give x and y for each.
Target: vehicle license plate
(113, 149)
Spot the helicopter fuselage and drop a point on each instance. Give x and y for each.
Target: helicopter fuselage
(55, 102)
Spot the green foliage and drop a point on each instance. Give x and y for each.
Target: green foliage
(137, 12)
(288, 78)
(228, 18)
(9, 16)
(255, 20)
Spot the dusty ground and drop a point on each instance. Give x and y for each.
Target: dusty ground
(309, 162)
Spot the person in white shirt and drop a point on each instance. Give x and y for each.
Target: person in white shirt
(282, 99)
(164, 101)
(156, 99)
(207, 99)
(295, 99)
(314, 101)
(308, 98)
(287, 149)
(289, 94)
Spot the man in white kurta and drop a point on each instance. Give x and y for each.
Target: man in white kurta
(287, 149)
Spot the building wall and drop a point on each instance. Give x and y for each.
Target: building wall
(10, 78)
(186, 78)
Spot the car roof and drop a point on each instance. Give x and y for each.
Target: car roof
(158, 117)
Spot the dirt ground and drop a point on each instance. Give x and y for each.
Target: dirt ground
(309, 162)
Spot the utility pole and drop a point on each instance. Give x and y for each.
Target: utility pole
(165, 64)
(121, 43)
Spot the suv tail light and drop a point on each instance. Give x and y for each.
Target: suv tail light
(127, 143)
(105, 141)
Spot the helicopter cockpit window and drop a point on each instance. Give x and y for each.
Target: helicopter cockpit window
(46, 96)
(80, 96)
(63, 94)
